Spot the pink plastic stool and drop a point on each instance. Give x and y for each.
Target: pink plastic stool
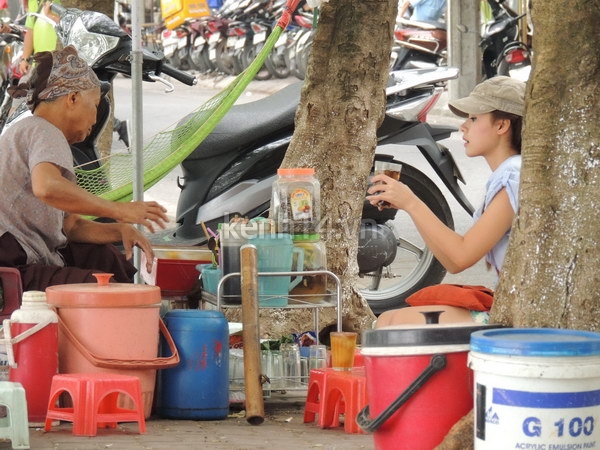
(345, 393)
(94, 397)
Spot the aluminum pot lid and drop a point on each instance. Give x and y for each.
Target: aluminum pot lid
(102, 294)
(422, 335)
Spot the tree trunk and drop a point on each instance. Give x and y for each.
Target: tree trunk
(550, 275)
(341, 107)
(103, 6)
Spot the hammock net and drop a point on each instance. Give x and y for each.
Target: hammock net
(113, 180)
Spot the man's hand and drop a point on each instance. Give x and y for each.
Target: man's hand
(131, 236)
(143, 213)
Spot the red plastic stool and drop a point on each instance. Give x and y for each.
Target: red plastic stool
(345, 393)
(314, 395)
(94, 397)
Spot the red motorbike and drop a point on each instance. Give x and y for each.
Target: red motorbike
(419, 45)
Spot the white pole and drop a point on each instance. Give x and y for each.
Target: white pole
(137, 15)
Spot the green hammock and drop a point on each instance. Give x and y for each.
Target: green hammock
(113, 180)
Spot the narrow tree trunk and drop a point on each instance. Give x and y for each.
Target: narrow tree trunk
(342, 105)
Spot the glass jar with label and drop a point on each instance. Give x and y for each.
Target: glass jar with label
(296, 201)
(312, 288)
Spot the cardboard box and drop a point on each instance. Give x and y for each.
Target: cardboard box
(175, 12)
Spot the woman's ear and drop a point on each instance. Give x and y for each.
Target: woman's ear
(502, 125)
(72, 98)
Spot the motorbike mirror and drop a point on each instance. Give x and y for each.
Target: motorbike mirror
(104, 88)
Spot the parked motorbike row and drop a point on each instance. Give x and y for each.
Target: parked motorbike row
(228, 41)
(424, 44)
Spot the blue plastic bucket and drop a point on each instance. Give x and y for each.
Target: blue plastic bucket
(536, 388)
(197, 388)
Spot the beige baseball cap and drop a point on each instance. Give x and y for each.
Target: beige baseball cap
(494, 94)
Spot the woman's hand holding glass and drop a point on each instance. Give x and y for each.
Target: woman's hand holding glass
(386, 189)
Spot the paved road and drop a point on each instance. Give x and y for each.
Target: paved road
(162, 110)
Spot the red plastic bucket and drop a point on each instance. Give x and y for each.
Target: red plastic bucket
(418, 383)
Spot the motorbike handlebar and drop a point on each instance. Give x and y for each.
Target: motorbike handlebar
(179, 75)
(57, 9)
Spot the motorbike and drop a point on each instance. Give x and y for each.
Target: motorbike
(503, 53)
(231, 174)
(106, 47)
(419, 45)
(11, 48)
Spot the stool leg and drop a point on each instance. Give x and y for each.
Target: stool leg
(18, 419)
(311, 406)
(332, 408)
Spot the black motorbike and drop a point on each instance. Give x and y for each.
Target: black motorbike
(231, 173)
(502, 50)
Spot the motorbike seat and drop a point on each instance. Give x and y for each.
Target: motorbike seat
(250, 122)
(424, 25)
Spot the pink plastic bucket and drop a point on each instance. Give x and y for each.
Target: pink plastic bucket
(111, 328)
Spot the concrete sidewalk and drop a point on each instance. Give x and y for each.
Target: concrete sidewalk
(283, 428)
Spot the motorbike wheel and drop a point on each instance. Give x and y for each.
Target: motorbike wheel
(248, 56)
(197, 61)
(302, 53)
(275, 64)
(224, 59)
(414, 267)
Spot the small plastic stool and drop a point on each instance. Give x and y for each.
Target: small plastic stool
(94, 397)
(345, 393)
(314, 395)
(14, 426)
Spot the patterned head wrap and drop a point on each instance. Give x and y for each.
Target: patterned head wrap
(56, 74)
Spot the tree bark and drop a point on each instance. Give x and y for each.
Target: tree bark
(103, 6)
(341, 107)
(551, 271)
(550, 275)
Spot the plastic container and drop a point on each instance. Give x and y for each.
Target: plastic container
(231, 238)
(312, 288)
(36, 355)
(431, 389)
(176, 272)
(536, 388)
(275, 253)
(198, 388)
(210, 277)
(113, 328)
(296, 201)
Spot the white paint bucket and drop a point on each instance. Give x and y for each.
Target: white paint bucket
(536, 389)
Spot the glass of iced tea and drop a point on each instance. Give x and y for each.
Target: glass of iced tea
(390, 169)
(343, 346)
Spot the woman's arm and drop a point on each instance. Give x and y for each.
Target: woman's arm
(52, 188)
(455, 252)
